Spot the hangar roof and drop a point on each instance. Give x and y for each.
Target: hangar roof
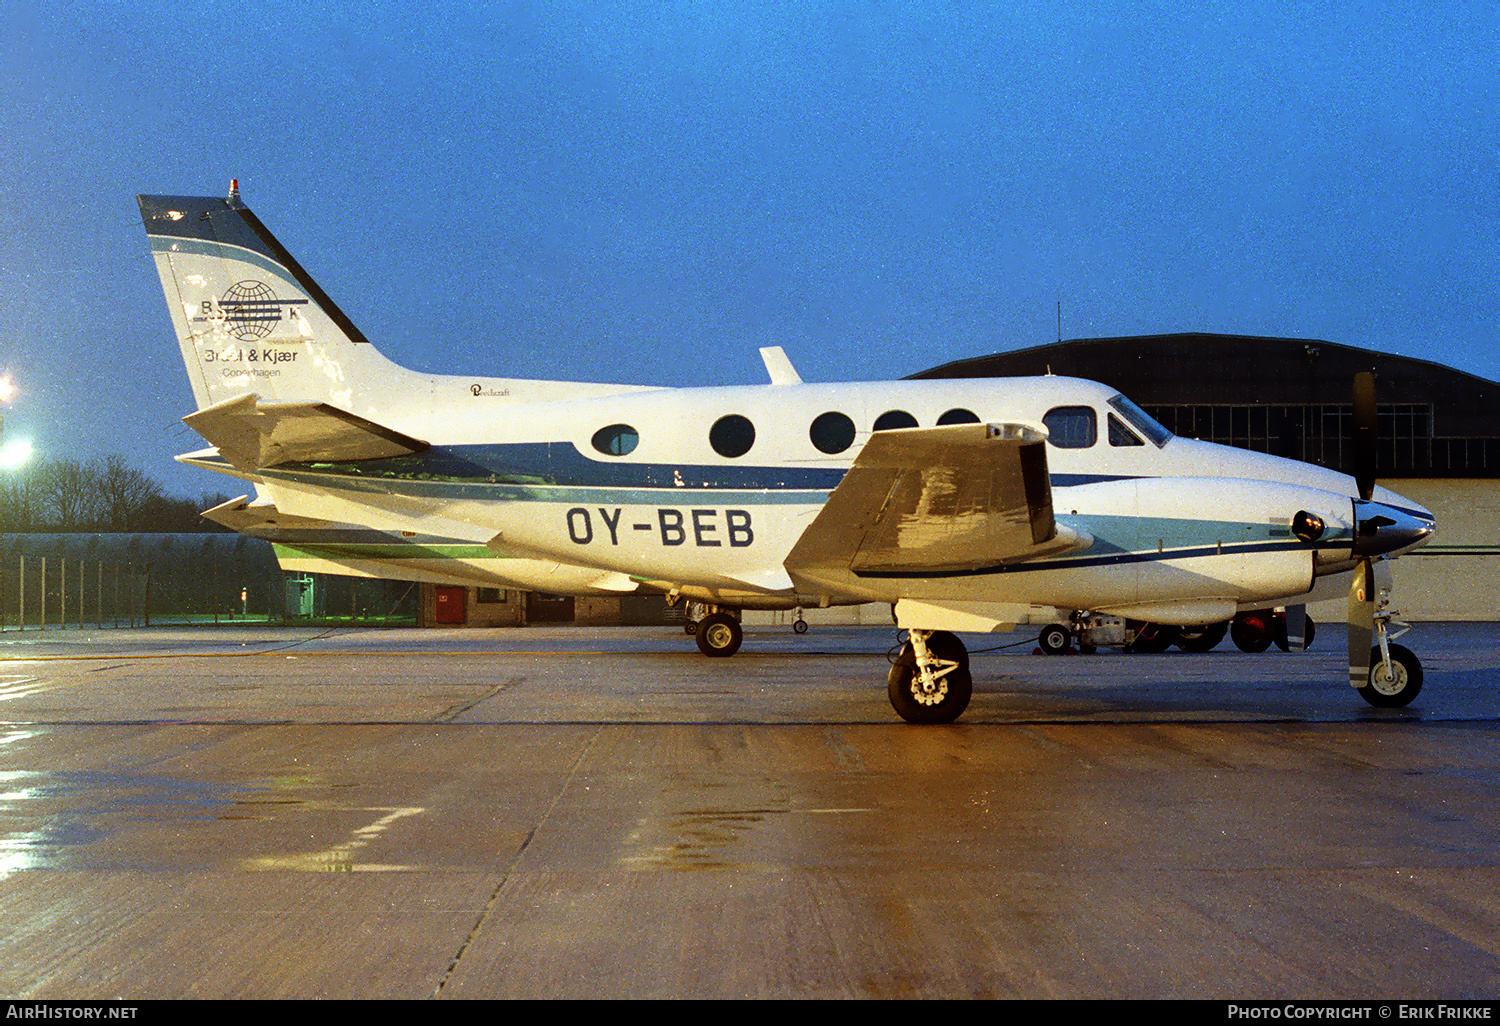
(1182, 373)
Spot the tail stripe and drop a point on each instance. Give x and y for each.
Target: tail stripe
(304, 279)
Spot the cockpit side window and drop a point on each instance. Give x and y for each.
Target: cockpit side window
(1072, 427)
(1119, 434)
(616, 440)
(1141, 421)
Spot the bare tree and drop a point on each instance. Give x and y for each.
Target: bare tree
(21, 499)
(71, 495)
(124, 494)
(104, 494)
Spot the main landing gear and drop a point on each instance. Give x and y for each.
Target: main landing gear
(719, 633)
(929, 680)
(1252, 632)
(718, 630)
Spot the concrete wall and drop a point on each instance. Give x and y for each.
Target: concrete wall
(1456, 576)
(514, 608)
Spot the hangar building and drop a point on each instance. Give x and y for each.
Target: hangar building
(1439, 431)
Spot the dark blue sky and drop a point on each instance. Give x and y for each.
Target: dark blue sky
(651, 193)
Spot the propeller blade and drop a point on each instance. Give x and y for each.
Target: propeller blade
(1296, 628)
(1362, 437)
(1361, 622)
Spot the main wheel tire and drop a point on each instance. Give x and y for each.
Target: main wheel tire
(1309, 630)
(719, 634)
(1396, 687)
(903, 683)
(1152, 638)
(1054, 639)
(1201, 639)
(799, 626)
(1251, 632)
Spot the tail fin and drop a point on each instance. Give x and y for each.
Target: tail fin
(250, 320)
(248, 317)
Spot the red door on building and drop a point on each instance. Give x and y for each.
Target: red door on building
(448, 604)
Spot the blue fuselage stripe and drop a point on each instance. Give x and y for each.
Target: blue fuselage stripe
(1116, 558)
(558, 472)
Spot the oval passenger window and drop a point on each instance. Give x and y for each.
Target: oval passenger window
(832, 433)
(732, 436)
(892, 419)
(958, 415)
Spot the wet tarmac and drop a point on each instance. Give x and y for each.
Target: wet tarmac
(602, 812)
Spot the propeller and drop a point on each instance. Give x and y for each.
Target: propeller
(1362, 587)
(1363, 437)
(1361, 622)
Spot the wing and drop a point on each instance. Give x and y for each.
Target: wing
(251, 434)
(931, 502)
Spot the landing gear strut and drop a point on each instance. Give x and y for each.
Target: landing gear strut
(1395, 672)
(929, 681)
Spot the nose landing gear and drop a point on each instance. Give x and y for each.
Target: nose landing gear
(1395, 674)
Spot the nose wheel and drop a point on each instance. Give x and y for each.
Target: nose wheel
(1394, 682)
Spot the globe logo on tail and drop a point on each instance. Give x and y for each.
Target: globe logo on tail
(250, 310)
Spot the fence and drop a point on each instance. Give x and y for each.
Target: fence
(60, 596)
(73, 581)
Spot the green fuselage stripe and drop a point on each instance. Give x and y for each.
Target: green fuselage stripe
(385, 552)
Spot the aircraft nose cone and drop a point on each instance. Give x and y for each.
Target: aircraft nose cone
(1385, 530)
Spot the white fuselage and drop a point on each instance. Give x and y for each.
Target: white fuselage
(1174, 525)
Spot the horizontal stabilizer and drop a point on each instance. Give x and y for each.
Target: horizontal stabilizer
(260, 519)
(935, 501)
(252, 435)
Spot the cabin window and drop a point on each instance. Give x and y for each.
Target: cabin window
(892, 419)
(958, 415)
(616, 440)
(832, 432)
(1072, 427)
(732, 436)
(1119, 434)
(1141, 421)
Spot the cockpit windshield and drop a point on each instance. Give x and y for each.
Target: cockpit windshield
(1141, 420)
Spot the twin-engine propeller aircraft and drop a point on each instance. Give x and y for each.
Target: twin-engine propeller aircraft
(959, 502)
